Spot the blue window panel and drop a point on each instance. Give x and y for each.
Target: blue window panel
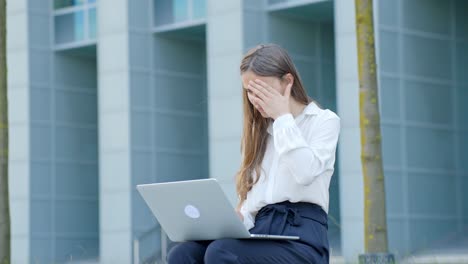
(69, 27)
(393, 192)
(92, 23)
(199, 9)
(76, 216)
(426, 15)
(168, 167)
(179, 132)
(76, 143)
(463, 155)
(163, 12)
(272, 2)
(41, 141)
(461, 60)
(41, 250)
(76, 179)
(41, 211)
(427, 57)
(76, 107)
(67, 3)
(39, 66)
(180, 10)
(76, 248)
(426, 232)
(428, 102)
(464, 193)
(397, 242)
(40, 104)
(391, 147)
(388, 52)
(41, 178)
(438, 154)
(390, 98)
(180, 93)
(141, 129)
(461, 19)
(388, 13)
(432, 194)
(462, 98)
(141, 168)
(140, 91)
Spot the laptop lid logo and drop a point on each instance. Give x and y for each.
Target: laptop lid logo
(191, 211)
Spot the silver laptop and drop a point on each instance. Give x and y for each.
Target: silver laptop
(196, 210)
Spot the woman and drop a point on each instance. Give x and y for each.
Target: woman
(288, 154)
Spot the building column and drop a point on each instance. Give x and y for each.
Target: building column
(115, 188)
(229, 35)
(19, 129)
(224, 53)
(347, 93)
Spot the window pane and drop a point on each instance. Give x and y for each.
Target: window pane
(272, 2)
(180, 10)
(92, 23)
(199, 9)
(163, 12)
(67, 3)
(69, 27)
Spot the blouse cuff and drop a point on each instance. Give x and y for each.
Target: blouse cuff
(248, 222)
(248, 219)
(283, 121)
(286, 134)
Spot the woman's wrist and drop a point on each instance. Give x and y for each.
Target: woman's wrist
(281, 114)
(240, 215)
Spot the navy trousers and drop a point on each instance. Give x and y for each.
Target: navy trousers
(306, 220)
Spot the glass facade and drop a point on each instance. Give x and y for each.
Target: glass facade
(421, 52)
(58, 4)
(84, 133)
(199, 9)
(168, 12)
(74, 21)
(92, 23)
(69, 27)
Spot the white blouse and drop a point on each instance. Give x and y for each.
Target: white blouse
(298, 162)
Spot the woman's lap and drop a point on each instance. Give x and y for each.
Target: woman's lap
(306, 221)
(242, 251)
(188, 252)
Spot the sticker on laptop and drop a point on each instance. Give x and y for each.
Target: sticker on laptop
(191, 211)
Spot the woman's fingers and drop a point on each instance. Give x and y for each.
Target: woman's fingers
(257, 93)
(260, 89)
(259, 103)
(267, 87)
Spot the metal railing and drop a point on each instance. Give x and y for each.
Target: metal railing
(153, 258)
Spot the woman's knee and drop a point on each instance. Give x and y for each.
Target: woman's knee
(221, 251)
(186, 252)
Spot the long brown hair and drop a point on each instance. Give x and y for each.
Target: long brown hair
(263, 60)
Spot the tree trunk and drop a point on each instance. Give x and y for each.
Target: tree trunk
(375, 238)
(4, 201)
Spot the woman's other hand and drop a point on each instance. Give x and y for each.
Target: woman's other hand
(272, 102)
(240, 215)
